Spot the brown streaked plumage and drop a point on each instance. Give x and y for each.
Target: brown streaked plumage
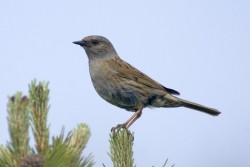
(124, 86)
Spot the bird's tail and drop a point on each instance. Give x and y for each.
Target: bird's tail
(198, 107)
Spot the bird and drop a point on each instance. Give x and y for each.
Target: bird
(124, 86)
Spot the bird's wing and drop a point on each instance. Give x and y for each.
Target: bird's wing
(125, 70)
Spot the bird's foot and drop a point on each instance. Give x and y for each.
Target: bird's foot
(118, 127)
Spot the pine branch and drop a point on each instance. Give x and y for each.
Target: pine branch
(6, 158)
(77, 143)
(66, 151)
(121, 149)
(121, 153)
(18, 123)
(39, 97)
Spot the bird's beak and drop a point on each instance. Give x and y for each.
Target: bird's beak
(81, 43)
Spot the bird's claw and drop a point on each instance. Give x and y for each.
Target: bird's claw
(118, 127)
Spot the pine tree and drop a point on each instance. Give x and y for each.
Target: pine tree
(31, 112)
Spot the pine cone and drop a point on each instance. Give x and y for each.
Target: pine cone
(33, 160)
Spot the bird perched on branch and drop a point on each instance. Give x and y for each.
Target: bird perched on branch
(122, 85)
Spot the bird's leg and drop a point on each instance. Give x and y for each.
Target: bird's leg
(129, 122)
(138, 115)
(119, 126)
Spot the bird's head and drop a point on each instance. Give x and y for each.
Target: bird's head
(97, 47)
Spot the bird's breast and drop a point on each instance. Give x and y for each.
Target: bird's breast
(112, 88)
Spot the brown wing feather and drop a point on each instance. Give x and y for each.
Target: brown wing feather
(125, 70)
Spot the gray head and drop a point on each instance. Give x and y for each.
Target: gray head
(97, 47)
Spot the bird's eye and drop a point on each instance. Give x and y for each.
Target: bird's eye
(95, 42)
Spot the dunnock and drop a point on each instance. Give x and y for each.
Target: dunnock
(124, 86)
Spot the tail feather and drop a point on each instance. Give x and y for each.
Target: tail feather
(195, 106)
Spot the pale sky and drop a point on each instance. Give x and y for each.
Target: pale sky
(199, 48)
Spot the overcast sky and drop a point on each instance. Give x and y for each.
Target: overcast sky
(200, 48)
